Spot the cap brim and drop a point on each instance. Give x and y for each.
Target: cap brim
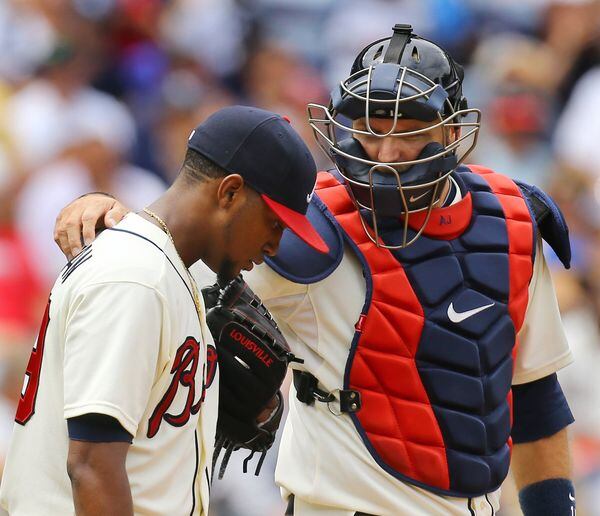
(298, 224)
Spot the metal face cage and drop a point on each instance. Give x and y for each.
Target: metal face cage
(411, 95)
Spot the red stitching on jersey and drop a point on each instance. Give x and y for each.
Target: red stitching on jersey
(26, 407)
(185, 365)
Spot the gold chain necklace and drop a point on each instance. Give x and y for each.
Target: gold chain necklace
(164, 227)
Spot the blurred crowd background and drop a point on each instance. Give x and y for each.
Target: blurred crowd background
(100, 95)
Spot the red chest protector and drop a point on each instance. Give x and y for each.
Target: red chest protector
(435, 378)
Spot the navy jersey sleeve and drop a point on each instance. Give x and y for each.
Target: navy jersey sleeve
(97, 428)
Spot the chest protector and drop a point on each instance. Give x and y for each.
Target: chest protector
(434, 347)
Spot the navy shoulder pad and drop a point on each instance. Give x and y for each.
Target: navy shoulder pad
(549, 220)
(300, 263)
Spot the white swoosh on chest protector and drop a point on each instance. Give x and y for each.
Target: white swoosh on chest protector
(457, 317)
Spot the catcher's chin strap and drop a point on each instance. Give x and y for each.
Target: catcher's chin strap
(307, 391)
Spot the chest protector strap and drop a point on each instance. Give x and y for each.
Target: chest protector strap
(435, 394)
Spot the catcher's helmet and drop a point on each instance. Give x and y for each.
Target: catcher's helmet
(402, 77)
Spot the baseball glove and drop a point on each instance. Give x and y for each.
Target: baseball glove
(253, 357)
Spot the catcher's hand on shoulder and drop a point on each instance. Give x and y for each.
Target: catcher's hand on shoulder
(78, 222)
(253, 358)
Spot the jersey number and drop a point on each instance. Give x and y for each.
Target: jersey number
(31, 383)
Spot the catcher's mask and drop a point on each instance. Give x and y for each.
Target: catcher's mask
(402, 77)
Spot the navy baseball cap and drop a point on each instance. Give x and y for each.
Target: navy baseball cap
(263, 148)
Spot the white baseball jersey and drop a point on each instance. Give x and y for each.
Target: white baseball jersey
(322, 459)
(121, 337)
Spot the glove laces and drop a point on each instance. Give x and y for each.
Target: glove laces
(222, 443)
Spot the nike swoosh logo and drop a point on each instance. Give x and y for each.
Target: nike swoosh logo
(415, 199)
(457, 317)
